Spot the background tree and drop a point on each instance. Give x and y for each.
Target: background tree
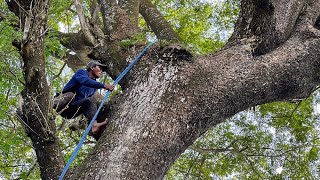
(277, 140)
(170, 98)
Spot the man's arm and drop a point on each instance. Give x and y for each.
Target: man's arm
(82, 77)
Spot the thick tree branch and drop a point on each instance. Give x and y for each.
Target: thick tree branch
(77, 43)
(159, 25)
(307, 26)
(181, 100)
(286, 13)
(95, 9)
(132, 9)
(266, 23)
(84, 24)
(110, 54)
(74, 41)
(116, 59)
(117, 24)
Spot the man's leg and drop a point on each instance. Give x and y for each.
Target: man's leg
(89, 112)
(98, 127)
(71, 111)
(74, 109)
(61, 102)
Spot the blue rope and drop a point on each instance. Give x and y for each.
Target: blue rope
(124, 72)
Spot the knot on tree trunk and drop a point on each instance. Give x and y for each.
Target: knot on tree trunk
(175, 52)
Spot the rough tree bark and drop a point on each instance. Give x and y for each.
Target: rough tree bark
(273, 55)
(34, 112)
(170, 98)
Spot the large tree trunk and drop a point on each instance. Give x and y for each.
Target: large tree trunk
(169, 101)
(35, 107)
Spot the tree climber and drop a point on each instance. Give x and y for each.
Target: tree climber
(77, 96)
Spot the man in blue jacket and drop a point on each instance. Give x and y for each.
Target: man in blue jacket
(77, 96)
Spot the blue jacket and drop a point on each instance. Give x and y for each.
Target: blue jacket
(82, 85)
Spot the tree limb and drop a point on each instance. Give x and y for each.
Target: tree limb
(159, 25)
(180, 100)
(84, 24)
(95, 9)
(16, 77)
(266, 24)
(117, 24)
(60, 71)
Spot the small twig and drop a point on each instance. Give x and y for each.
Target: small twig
(4, 125)
(16, 77)
(189, 169)
(62, 125)
(203, 160)
(179, 170)
(7, 94)
(44, 118)
(60, 71)
(24, 123)
(30, 170)
(253, 167)
(294, 110)
(44, 32)
(232, 143)
(13, 166)
(208, 151)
